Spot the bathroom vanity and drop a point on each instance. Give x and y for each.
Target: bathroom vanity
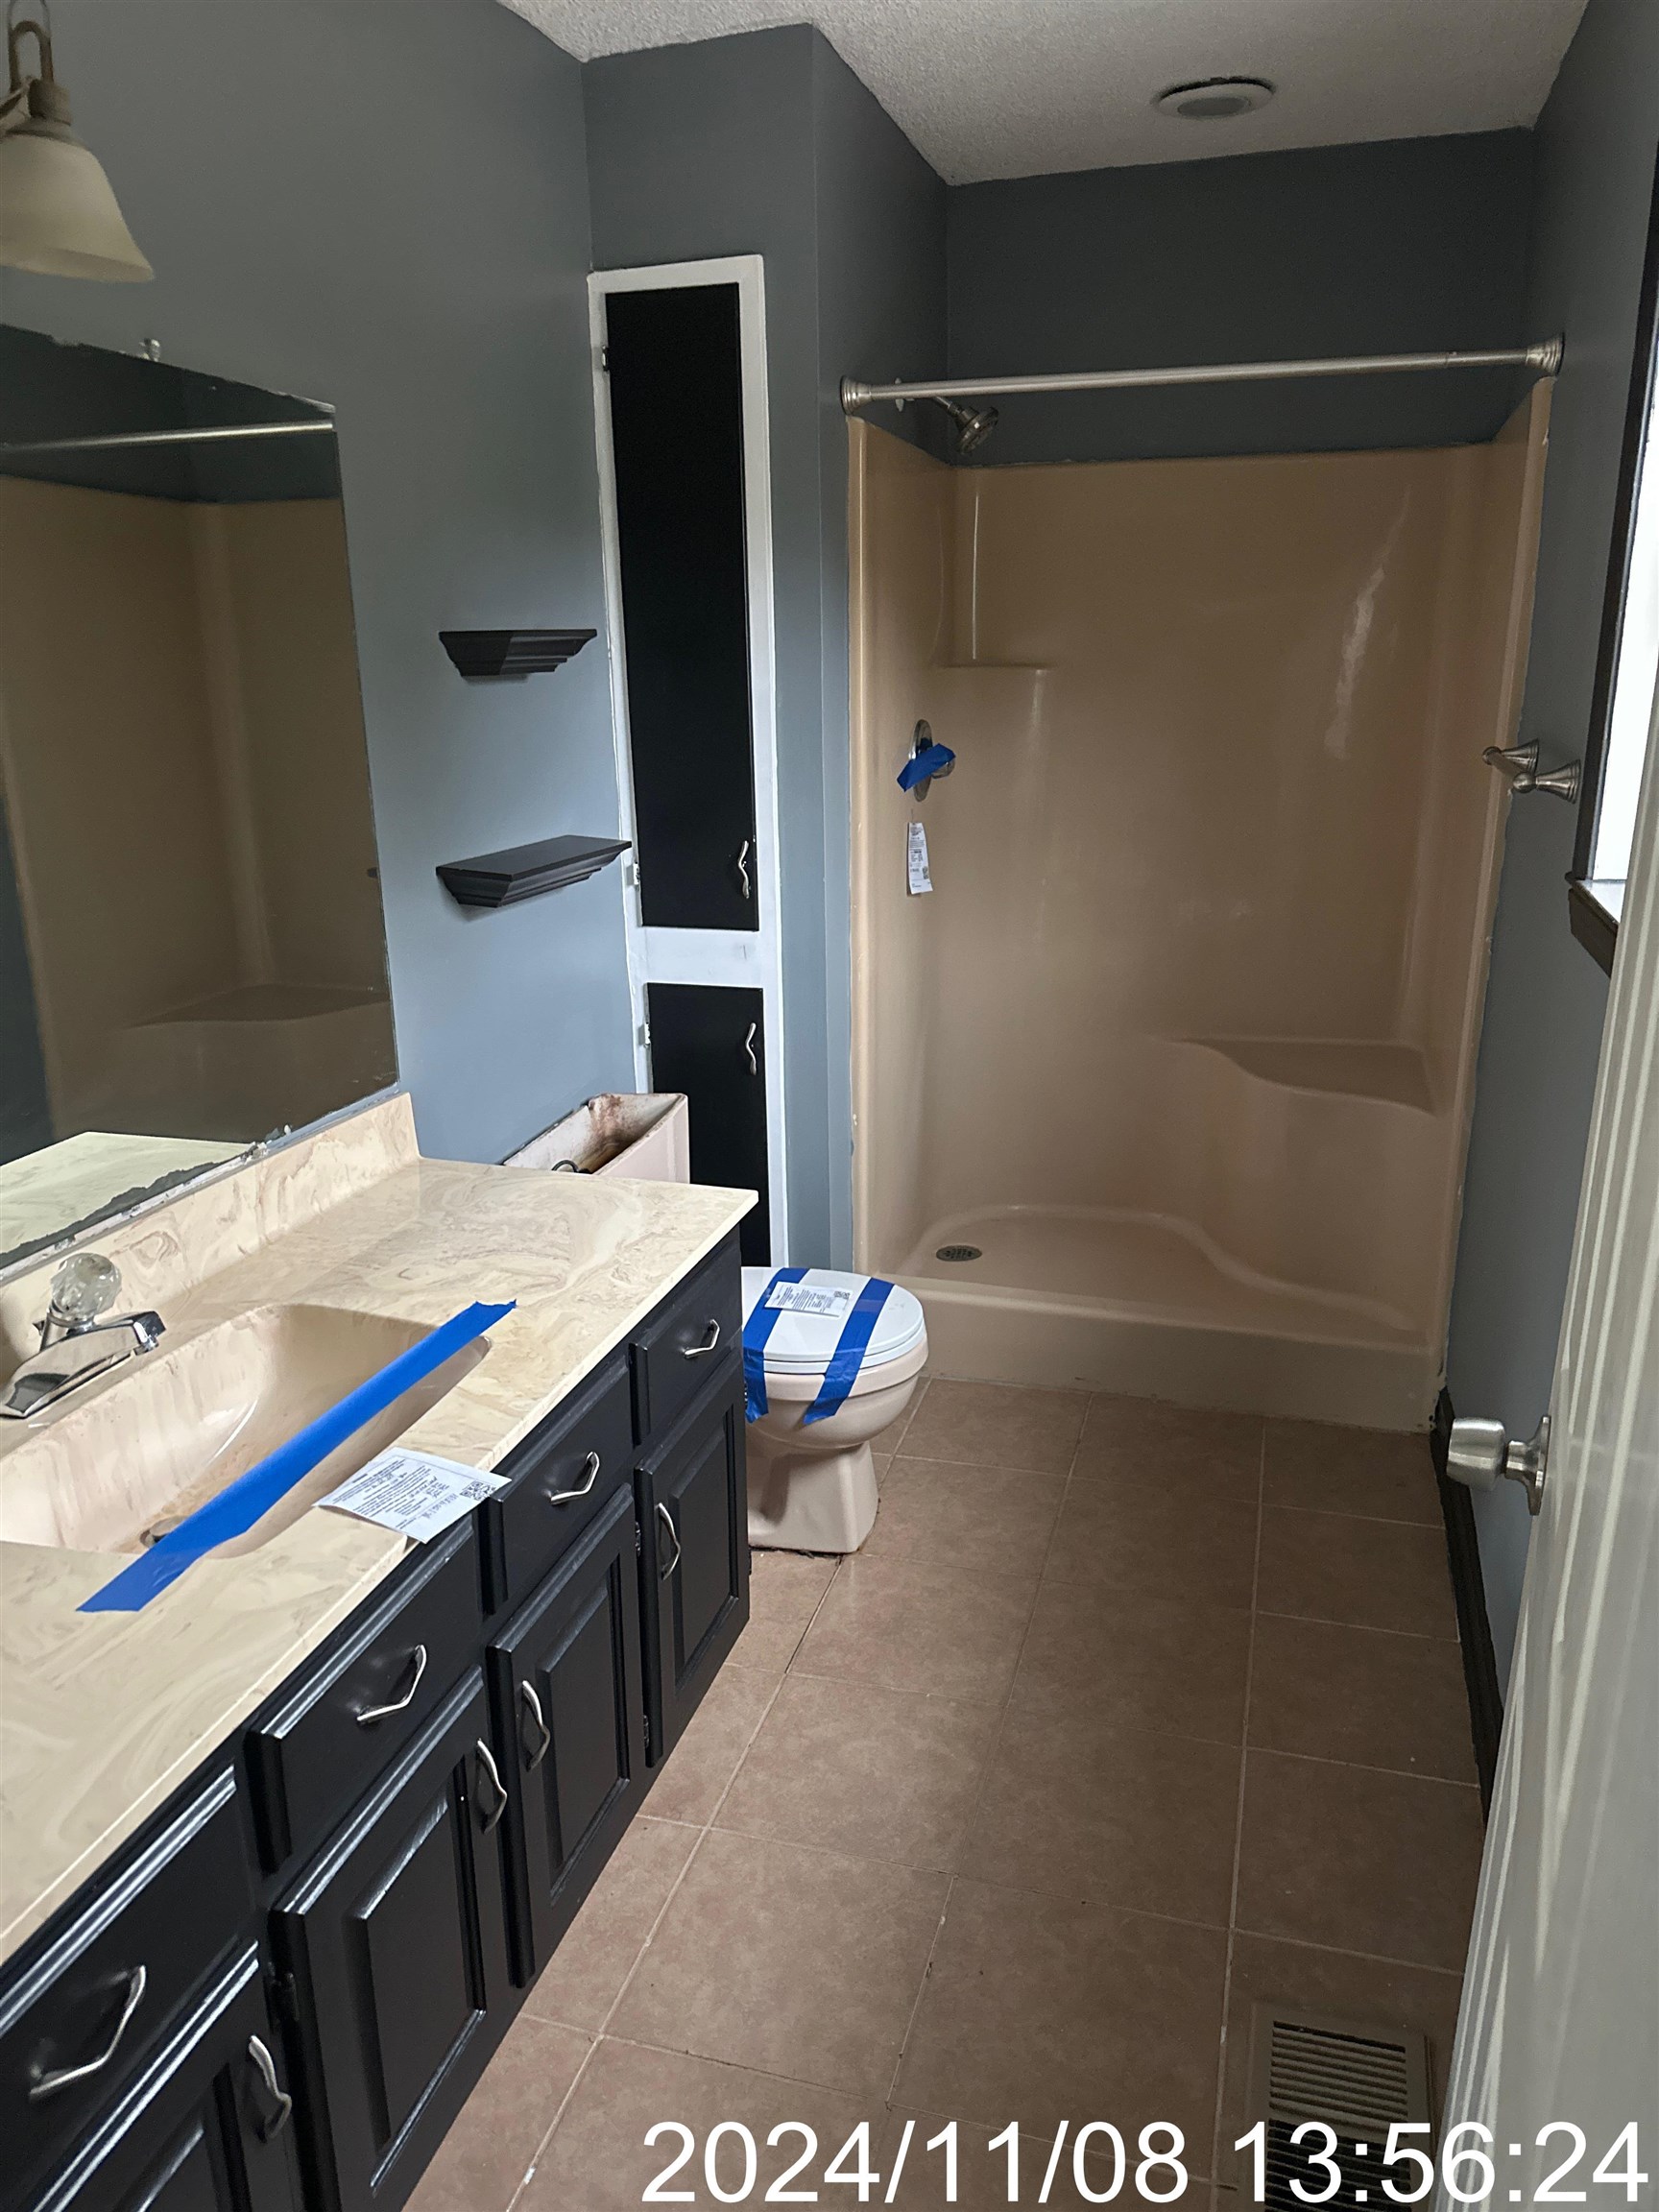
(283, 1850)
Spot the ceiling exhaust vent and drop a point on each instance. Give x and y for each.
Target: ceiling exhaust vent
(1215, 98)
(1357, 2079)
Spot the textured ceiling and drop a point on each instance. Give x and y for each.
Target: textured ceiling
(1021, 87)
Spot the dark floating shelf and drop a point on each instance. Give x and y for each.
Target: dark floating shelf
(512, 652)
(526, 871)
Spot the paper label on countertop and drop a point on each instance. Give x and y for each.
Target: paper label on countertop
(810, 1298)
(916, 858)
(414, 1493)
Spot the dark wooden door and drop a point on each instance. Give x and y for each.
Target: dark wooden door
(709, 1041)
(206, 2127)
(397, 1942)
(568, 1682)
(676, 391)
(694, 1566)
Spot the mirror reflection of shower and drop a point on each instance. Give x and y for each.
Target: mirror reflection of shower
(973, 424)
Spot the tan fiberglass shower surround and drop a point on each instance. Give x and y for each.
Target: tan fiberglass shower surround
(1183, 1038)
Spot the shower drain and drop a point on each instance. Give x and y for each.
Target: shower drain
(959, 1252)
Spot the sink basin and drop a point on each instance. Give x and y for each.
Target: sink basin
(168, 1430)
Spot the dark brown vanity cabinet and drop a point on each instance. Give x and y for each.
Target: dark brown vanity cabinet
(394, 1953)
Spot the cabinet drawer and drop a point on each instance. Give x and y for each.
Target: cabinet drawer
(685, 1340)
(332, 1735)
(563, 1479)
(94, 2001)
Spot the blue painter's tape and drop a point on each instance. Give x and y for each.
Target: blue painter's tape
(931, 760)
(761, 1322)
(850, 1346)
(252, 1496)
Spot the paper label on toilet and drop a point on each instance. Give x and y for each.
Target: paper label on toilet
(810, 1298)
(414, 1493)
(916, 856)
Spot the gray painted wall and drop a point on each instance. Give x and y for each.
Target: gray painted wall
(383, 204)
(1547, 998)
(766, 143)
(1403, 245)
(25, 1113)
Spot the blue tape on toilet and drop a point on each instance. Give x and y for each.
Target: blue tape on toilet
(252, 1496)
(850, 1346)
(761, 1322)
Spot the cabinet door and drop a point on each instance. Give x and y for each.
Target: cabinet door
(694, 1566)
(206, 2127)
(395, 1945)
(709, 1041)
(569, 1693)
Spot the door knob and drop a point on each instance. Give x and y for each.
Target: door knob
(1481, 1454)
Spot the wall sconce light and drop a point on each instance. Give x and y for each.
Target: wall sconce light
(58, 214)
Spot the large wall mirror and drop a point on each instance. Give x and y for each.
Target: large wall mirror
(192, 953)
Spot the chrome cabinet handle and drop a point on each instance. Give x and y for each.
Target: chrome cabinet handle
(743, 869)
(710, 1342)
(532, 1712)
(667, 1520)
(372, 1713)
(749, 1049)
(44, 2085)
(490, 1772)
(591, 1471)
(282, 2103)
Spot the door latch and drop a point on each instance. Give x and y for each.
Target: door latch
(1480, 1455)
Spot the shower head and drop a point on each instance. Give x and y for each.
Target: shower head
(973, 424)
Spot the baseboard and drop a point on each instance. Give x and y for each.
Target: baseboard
(1468, 1590)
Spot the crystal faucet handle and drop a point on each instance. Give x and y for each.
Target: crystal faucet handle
(84, 1286)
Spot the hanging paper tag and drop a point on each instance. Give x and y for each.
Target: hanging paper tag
(810, 1298)
(414, 1493)
(916, 858)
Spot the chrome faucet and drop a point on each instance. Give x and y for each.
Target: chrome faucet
(76, 1343)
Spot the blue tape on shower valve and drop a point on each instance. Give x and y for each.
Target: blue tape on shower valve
(252, 1496)
(932, 761)
(761, 1322)
(850, 1346)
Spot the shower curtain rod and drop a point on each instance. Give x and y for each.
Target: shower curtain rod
(1545, 356)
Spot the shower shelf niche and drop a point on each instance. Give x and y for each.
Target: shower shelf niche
(1381, 1069)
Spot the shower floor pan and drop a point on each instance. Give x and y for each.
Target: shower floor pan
(1145, 1304)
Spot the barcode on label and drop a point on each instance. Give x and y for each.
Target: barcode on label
(809, 1298)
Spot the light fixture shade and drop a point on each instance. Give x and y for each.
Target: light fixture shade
(58, 214)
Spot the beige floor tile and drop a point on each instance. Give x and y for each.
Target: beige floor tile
(1364, 1694)
(1042, 2010)
(1144, 1440)
(1325, 1469)
(1336, 1983)
(786, 1589)
(1370, 1573)
(1174, 1538)
(1145, 1662)
(864, 1770)
(912, 1625)
(995, 1424)
(891, 1439)
(978, 1520)
(1077, 1806)
(982, 2174)
(488, 2151)
(696, 1771)
(599, 2161)
(800, 1961)
(1358, 1859)
(584, 1976)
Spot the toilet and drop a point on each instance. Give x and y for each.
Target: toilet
(812, 1484)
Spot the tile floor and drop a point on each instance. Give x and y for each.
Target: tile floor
(1124, 1718)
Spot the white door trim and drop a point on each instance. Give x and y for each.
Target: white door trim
(747, 957)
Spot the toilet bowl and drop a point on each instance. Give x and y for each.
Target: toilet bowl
(812, 1484)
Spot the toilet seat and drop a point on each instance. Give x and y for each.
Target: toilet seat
(801, 1344)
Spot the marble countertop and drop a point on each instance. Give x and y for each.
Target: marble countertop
(102, 1716)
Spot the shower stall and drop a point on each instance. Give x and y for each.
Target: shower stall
(1165, 1086)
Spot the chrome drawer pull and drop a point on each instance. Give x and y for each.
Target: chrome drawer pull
(590, 1470)
(667, 1520)
(491, 1774)
(532, 1712)
(372, 1713)
(44, 2085)
(743, 869)
(282, 2103)
(711, 1339)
